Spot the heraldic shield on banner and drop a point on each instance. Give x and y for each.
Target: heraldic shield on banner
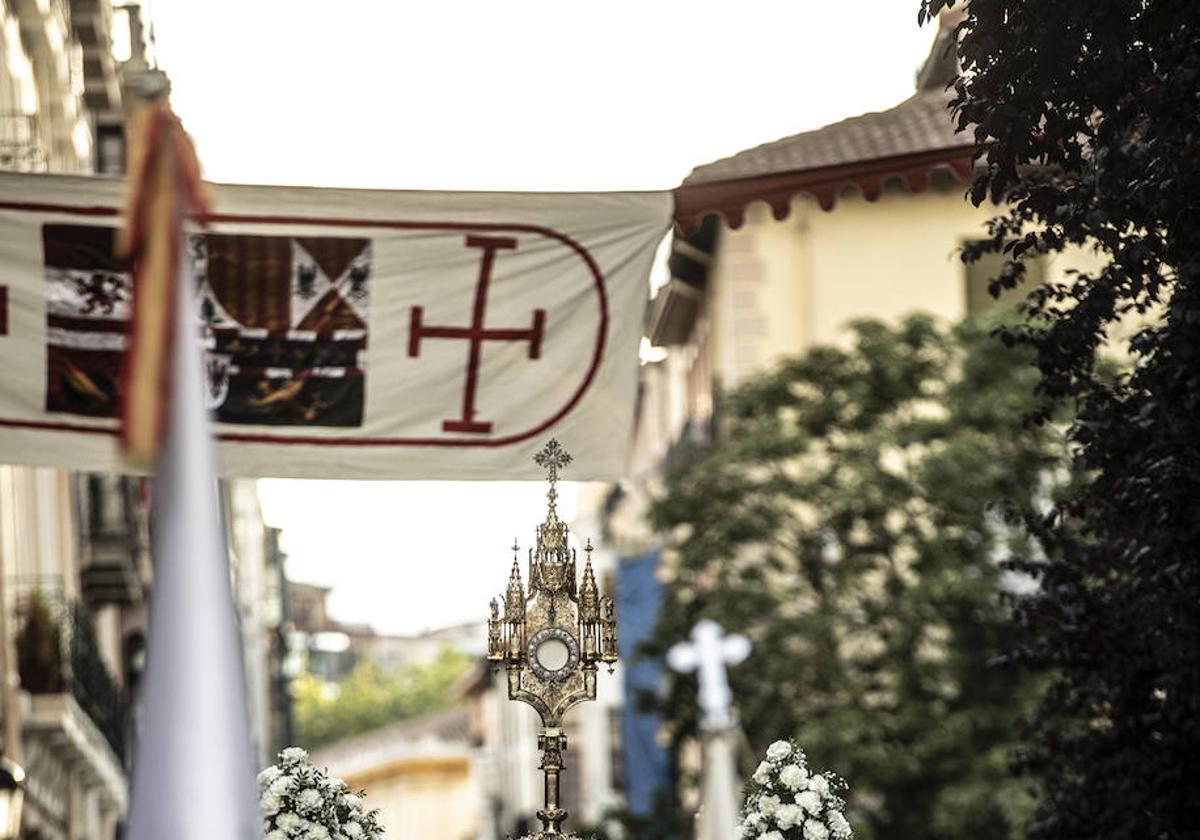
(284, 323)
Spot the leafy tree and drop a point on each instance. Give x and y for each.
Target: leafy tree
(843, 521)
(369, 698)
(1089, 116)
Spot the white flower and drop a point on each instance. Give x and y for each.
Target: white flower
(351, 801)
(309, 799)
(779, 751)
(793, 776)
(788, 815)
(789, 801)
(810, 801)
(303, 802)
(289, 823)
(839, 827)
(815, 830)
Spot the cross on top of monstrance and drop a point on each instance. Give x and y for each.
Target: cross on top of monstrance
(553, 458)
(552, 639)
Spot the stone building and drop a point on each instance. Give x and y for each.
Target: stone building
(74, 559)
(257, 568)
(45, 124)
(77, 575)
(75, 566)
(73, 549)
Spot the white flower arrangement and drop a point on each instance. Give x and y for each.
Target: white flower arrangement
(785, 801)
(301, 802)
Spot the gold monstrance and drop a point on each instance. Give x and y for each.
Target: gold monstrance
(552, 640)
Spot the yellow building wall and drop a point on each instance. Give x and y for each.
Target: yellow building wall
(779, 287)
(423, 797)
(889, 258)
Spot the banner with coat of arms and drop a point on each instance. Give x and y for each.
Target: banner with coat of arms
(345, 333)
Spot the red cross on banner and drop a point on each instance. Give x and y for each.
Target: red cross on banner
(476, 334)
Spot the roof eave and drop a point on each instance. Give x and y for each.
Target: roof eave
(730, 198)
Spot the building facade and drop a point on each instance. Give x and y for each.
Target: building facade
(257, 570)
(75, 566)
(422, 774)
(865, 218)
(45, 124)
(77, 580)
(74, 557)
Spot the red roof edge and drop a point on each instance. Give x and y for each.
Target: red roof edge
(730, 198)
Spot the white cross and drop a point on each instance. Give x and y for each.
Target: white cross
(709, 652)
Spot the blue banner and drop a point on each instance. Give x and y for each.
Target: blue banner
(639, 598)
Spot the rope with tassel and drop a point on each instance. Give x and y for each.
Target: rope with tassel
(164, 191)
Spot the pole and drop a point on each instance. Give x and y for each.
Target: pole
(719, 821)
(553, 743)
(709, 652)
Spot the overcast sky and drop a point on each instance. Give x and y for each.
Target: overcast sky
(493, 95)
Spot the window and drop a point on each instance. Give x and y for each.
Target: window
(979, 274)
(110, 150)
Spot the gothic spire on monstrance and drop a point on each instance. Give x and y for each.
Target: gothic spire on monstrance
(551, 639)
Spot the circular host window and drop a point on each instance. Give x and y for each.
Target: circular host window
(553, 653)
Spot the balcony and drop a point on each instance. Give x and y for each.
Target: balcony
(91, 21)
(57, 656)
(114, 537)
(673, 313)
(21, 148)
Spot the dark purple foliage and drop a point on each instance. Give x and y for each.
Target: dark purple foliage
(1089, 116)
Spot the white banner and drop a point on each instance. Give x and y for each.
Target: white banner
(348, 333)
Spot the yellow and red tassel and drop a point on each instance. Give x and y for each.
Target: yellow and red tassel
(164, 190)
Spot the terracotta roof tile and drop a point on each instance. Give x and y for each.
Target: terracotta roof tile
(919, 124)
(450, 727)
(909, 142)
